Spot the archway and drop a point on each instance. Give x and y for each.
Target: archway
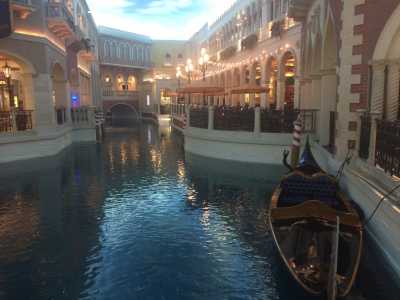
(16, 91)
(288, 70)
(272, 81)
(385, 90)
(123, 115)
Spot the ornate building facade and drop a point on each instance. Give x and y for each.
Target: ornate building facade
(48, 71)
(124, 59)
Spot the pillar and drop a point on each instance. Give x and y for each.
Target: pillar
(43, 89)
(297, 92)
(328, 104)
(257, 120)
(316, 91)
(263, 96)
(280, 96)
(211, 118)
(242, 83)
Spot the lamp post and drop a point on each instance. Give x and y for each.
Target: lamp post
(203, 62)
(189, 69)
(178, 76)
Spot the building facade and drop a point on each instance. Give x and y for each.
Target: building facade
(124, 60)
(48, 72)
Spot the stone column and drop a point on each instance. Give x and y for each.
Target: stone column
(29, 95)
(280, 96)
(316, 91)
(372, 142)
(257, 120)
(263, 96)
(211, 118)
(43, 89)
(328, 103)
(297, 92)
(242, 83)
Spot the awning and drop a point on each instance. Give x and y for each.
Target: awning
(209, 90)
(249, 89)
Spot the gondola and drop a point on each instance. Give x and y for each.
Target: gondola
(317, 232)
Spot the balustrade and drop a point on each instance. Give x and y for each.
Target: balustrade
(79, 115)
(18, 120)
(387, 151)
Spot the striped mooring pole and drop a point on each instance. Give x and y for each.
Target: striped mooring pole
(298, 127)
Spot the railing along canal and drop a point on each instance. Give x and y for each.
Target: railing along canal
(234, 118)
(199, 117)
(250, 119)
(17, 120)
(80, 115)
(387, 152)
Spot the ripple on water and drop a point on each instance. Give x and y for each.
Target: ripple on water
(131, 219)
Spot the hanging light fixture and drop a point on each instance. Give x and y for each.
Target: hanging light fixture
(7, 70)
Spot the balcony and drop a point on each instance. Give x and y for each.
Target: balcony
(60, 20)
(22, 8)
(120, 95)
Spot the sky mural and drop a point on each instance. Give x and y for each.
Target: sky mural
(159, 19)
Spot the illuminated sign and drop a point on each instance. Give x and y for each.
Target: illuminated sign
(5, 18)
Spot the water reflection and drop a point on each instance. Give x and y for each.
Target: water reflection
(136, 219)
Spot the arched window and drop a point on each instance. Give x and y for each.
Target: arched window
(135, 54)
(106, 49)
(113, 49)
(119, 51)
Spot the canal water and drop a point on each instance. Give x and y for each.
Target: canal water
(134, 218)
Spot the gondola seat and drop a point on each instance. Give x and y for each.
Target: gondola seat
(297, 188)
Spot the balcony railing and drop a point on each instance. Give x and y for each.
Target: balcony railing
(234, 118)
(19, 120)
(387, 152)
(114, 93)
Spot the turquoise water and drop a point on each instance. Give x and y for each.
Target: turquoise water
(134, 218)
